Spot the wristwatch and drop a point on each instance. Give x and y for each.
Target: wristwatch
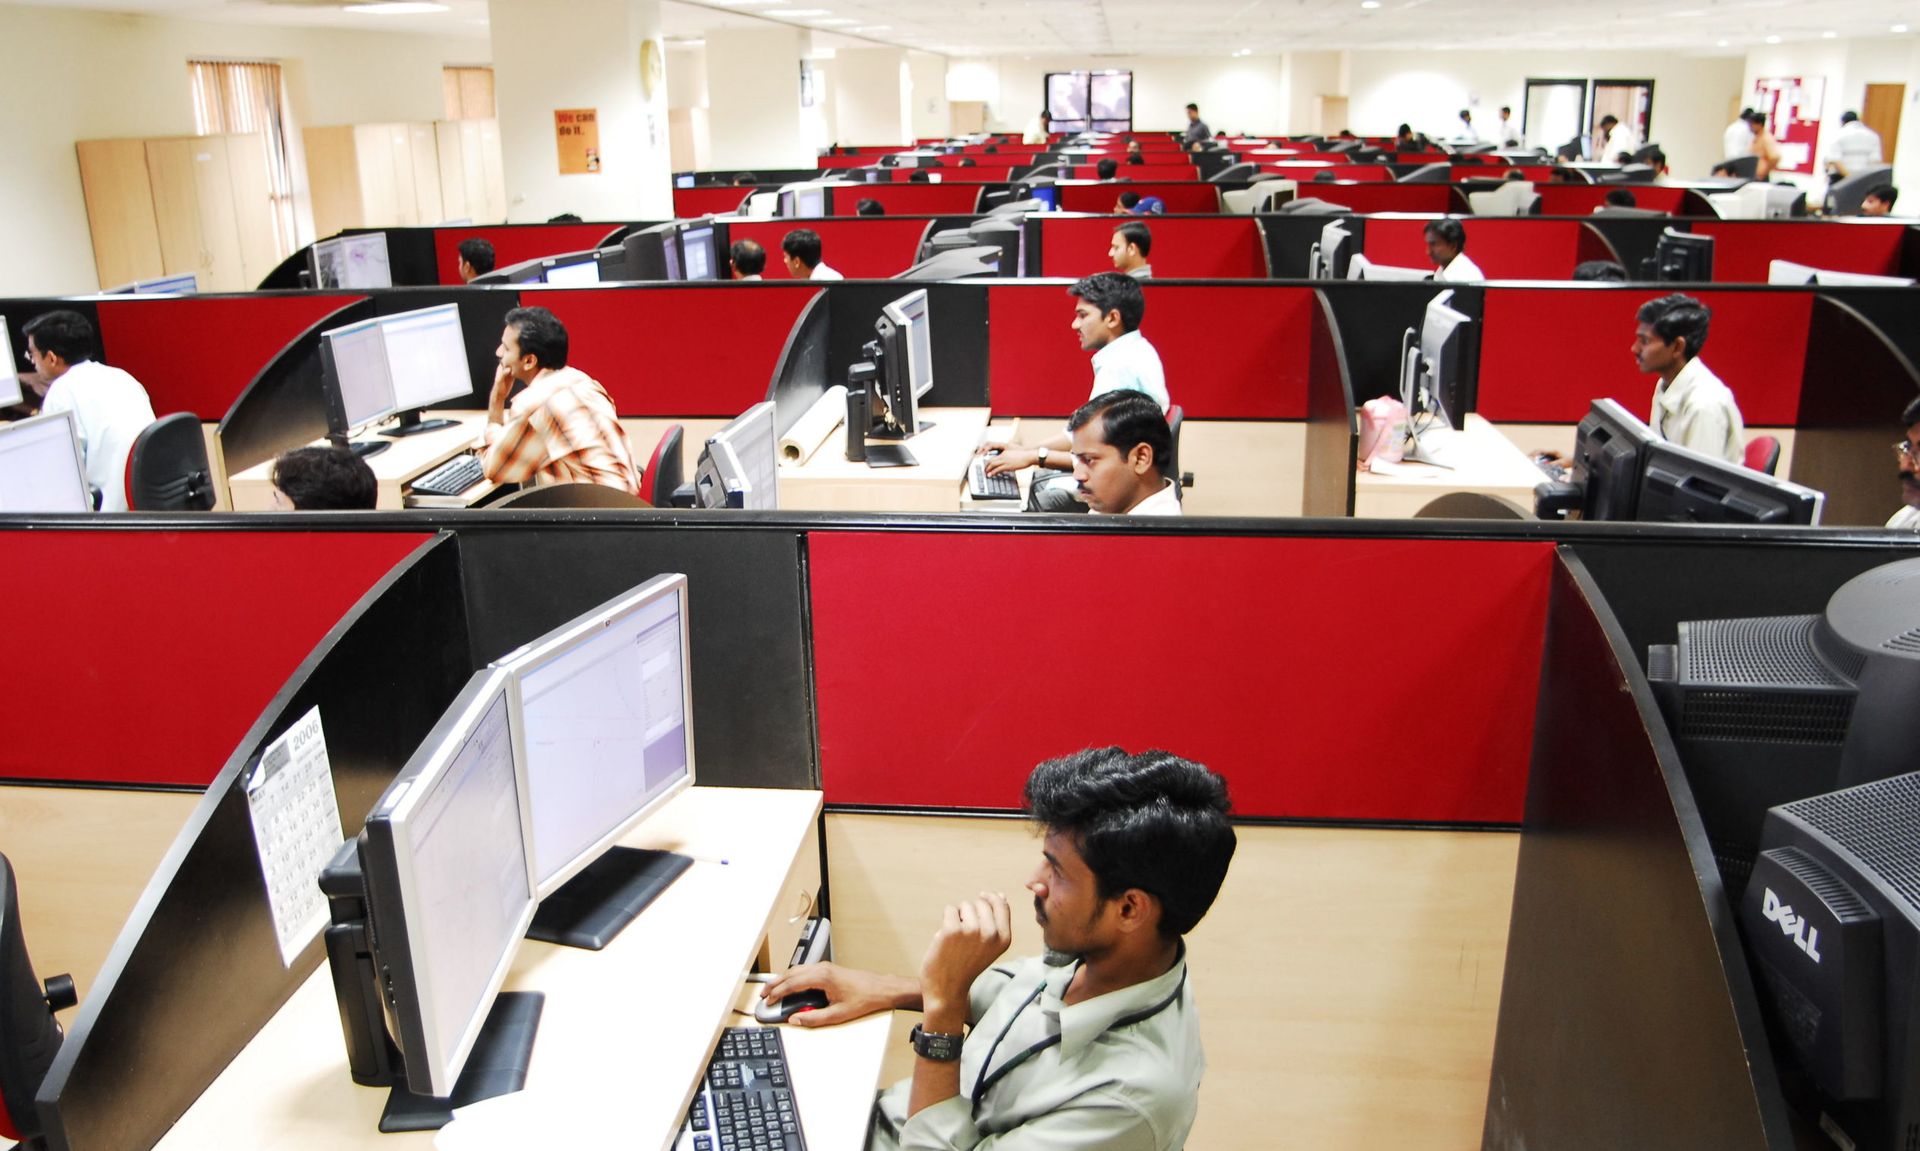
(935, 1046)
(1040, 457)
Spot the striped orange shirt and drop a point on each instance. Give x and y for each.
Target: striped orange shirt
(562, 429)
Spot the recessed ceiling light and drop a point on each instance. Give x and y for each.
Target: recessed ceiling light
(1898, 29)
(1773, 39)
(833, 21)
(1829, 35)
(802, 12)
(397, 8)
(1369, 5)
(1720, 43)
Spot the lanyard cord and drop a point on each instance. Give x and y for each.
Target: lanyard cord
(987, 1082)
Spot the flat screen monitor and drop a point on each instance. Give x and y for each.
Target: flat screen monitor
(1449, 362)
(357, 380)
(449, 884)
(355, 261)
(40, 466)
(1683, 258)
(652, 254)
(1333, 255)
(10, 392)
(427, 364)
(699, 252)
(1361, 268)
(576, 271)
(185, 284)
(739, 468)
(1679, 485)
(1609, 455)
(906, 346)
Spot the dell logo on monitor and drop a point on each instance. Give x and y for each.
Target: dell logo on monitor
(1805, 938)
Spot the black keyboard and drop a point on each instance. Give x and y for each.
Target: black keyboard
(745, 1103)
(451, 478)
(982, 486)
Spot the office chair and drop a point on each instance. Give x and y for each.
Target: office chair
(1845, 197)
(1763, 454)
(1235, 172)
(1434, 173)
(167, 471)
(1472, 506)
(1739, 167)
(29, 1035)
(1177, 415)
(571, 496)
(662, 477)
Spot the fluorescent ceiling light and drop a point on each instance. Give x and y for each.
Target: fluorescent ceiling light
(397, 8)
(1720, 43)
(1829, 35)
(1369, 5)
(802, 12)
(1897, 29)
(833, 22)
(1773, 39)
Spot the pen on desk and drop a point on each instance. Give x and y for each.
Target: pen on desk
(704, 859)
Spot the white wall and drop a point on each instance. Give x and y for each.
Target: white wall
(930, 116)
(868, 108)
(753, 98)
(1848, 66)
(74, 75)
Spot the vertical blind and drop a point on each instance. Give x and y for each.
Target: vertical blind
(233, 98)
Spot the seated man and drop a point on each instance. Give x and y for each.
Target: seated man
(1691, 407)
(868, 206)
(1880, 201)
(748, 259)
(1907, 453)
(322, 479)
(1121, 450)
(563, 428)
(1447, 248)
(1135, 849)
(1132, 243)
(476, 258)
(802, 249)
(1106, 169)
(110, 408)
(1603, 271)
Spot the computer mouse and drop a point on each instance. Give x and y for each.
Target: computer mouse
(785, 1008)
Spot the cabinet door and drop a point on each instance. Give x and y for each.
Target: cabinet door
(453, 177)
(171, 165)
(219, 230)
(425, 152)
(379, 192)
(253, 209)
(119, 196)
(493, 175)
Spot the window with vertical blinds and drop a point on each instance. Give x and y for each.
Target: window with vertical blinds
(234, 98)
(469, 92)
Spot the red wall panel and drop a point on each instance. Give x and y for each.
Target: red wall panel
(677, 351)
(1326, 679)
(513, 244)
(909, 199)
(1582, 199)
(1742, 249)
(1227, 248)
(1433, 198)
(709, 201)
(154, 652)
(198, 353)
(1229, 353)
(856, 248)
(1181, 198)
(1510, 248)
(1545, 353)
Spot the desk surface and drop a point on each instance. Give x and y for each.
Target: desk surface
(831, 482)
(625, 1033)
(1491, 465)
(409, 456)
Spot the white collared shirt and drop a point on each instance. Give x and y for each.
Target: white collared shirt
(1621, 139)
(110, 409)
(1697, 411)
(822, 272)
(1509, 132)
(1460, 270)
(1129, 363)
(1737, 140)
(1165, 502)
(1856, 147)
(1906, 519)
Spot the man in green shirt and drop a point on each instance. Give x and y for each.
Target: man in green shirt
(1095, 1044)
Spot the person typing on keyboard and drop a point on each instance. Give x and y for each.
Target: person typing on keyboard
(563, 428)
(1096, 1043)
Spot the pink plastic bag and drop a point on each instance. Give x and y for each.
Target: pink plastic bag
(1383, 430)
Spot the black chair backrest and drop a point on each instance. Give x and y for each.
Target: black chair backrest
(571, 496)
(29, 1037)
(664, 470)
(167, 471)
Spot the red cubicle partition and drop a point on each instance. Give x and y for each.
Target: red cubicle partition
(1505, 247)
(1582, 199)
(722, 201)
(1743, 248)
(682, 352)
(154, 652)
(1308, 172)
(1545, 353)
(941, 199)
(198, 353)
(1230, 353)
(1369, 198)
(1195, 247)
(1180, 199)
(858, 248)
(515, 243)
(1218, 649)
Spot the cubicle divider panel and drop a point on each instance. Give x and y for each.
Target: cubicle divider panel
(1582, 199)
(1207, 247)
(1742, 249)
(1230, 352)
(1891, 310)
(1546, 352)
(1332, 431)
(907, 199)
(198, 353)
(960, 336)
(1506, 248)
(1855, 377)
(1374, 318)
(859, 248)
(721, 201)
(152, 679)
(1308, 171)
(1244, 668)
(285, 405)
(1435, 199)
(1181, 198)
(685, 350)
(197, 971)
(514, 243)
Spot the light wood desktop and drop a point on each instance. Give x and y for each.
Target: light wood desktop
(625, 1033)
(831, 482)
(1488, 463)
(393, 469)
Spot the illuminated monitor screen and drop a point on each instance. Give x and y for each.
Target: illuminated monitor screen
(581, 274)
(697, 249)
(910, 312)
(810, 201)
(180, 285)
(670, 252)
(426, 357)
(360, 373)
(40, 467)
(10, 393)
(605, 713)
(743, 458)
(358, 261)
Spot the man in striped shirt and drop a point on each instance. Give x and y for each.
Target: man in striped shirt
(563, 428)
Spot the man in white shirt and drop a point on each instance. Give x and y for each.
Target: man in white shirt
(1508, 130)
(1466, 133)
(1618, 140)
(1856, 147)
(1122, 449)
(1737, 140)
(801, 249)
(1447, 248)
(1691, 407)
(110, 408)
(1907, 453)
(1038, 129)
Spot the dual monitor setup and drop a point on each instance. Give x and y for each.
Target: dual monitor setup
(391, 366)
(673, 251)
(1679, 257)
(504, 825)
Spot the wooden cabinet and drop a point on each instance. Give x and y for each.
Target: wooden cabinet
(404, 175)
(473, 182)
(170, 206)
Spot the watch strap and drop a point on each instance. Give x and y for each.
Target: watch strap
(934, 1045)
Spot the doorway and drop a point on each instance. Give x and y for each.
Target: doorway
(1553, 113)
(1881, 112)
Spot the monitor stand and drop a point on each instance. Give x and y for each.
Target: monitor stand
(410, 424)
(497, 1066)
(592, 907)
(365, 448)
(890, 456)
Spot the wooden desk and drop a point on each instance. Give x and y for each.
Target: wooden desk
(393, 469)
(626, 1032)
(830, 482)
(1492, 466)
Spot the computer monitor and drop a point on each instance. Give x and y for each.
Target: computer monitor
(603, 709)
(426, 355)
(354, 261)
(653, 253)
(357, 382)
(41, 469)
(1679, 485)
(1609, 455)
(1333, 255)
(1361, 268)
(1439, 367)
(1681, 257)
(739, 467)
(699, 251)
(906, 349)
(1846, 197)
(10, 393)
(577, 270)
(976, 261)
(184, 284)
(1006, 232)
(430, 902)
(803, 200)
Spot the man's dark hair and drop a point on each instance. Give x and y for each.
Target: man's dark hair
(1193, 107)
(1757, 119)
(1403, 130)
(1609, 121)
(1604, 271)
(1128, 419)
(325, 479)
(1885, 193)
(1449, 231)
(66, 334)
(1106, 168)
(749, 258)
(1677, 317)
(1045, 115)
(478, 253)
(1137, 234)
(1911, 415)
(566, 218)
(1621, 198)
(742, 179)
(1513, 174)
(1129, 200)
(1136, 158)
(803, 244)
(1849, 117)
(542, 336)
(1113, 292)
(1151, 821)
(1466, 114)
(868, 206)
(1507, 110)
(919, 176)
(969, 162)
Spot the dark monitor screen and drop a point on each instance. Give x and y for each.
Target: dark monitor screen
(1609, 454)
(906, 342)
(1681, 257)
(1678, 485)
(653, 253)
